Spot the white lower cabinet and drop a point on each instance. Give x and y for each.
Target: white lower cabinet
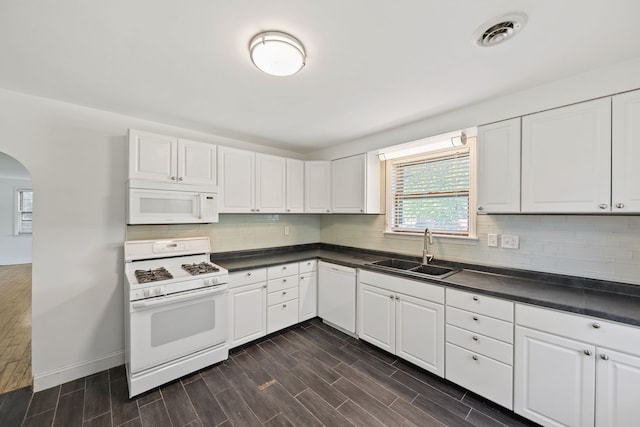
(247, 306)
(573, 370)
(308, 290)
(403, 317)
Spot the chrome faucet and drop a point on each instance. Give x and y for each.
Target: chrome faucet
(428, 239)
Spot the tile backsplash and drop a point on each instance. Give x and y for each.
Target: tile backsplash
(600, 247)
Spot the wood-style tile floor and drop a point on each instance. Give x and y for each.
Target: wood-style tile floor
(15, 327)
(310, 375)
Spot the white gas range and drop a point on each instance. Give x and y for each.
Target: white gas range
(176, 310)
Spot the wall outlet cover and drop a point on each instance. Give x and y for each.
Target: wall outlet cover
(510, 242)
(492, 240)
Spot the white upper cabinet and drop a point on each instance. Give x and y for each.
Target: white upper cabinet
(317, 187)
(356, 184)
(566, 159)
(295, 186)
(237, 180)
(270, 183)
(626, 153)
(499, 167)
(163, 158)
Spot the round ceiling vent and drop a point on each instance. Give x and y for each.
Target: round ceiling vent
(499, 29)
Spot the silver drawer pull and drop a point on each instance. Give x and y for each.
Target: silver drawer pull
(596, 325)
(248, 274)
(604, 357)
(284, 292)
(475, 298)
(391, 296)
(619, 205)
(475, 338)
(474, 357)
(475, 318)
(284, 268)
(284, 305)
(587, 352)
(284, 280)
(603, 206)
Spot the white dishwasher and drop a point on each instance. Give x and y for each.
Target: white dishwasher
(337, 296)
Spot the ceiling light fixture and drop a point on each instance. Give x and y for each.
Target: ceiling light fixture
(277, 53)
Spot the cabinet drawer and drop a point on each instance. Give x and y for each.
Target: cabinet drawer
(246, 277)
(414, 288)
(282, 270)
(480, 374)
(282, 283)
(481, 304)
(480, 344)
(582, 328)
(307, 266)
(494, 328)
(282, 296)
(280, 316)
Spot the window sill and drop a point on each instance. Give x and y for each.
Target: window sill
(413, 236)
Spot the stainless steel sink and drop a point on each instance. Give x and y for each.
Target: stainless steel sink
(415, 268)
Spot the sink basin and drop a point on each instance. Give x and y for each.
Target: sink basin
(397, 264)
(415, 268)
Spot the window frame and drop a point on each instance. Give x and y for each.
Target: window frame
(18, 212)
(470, 148)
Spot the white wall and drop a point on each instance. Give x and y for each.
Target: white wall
(76, 157)
(14, 249)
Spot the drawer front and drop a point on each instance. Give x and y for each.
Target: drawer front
(282, 283)
(247, 277)
(284, 295)
(480, 344)
(413, 288)
(282, 315)
(282, 270)
(481, 304)
(307, 266)
(480, 374)
(494, 328)
(591, 330)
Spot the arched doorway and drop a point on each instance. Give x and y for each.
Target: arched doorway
(16, 204)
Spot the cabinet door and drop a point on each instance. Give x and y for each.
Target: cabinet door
(197, 163)
(566, 159)
(554, 379)
(337, 296)
(237, 180)
(317, 187)
(499, 167)
(308, 296)
(248, 313)
(420, 333)
(348, 184)
(295, 186)
(270, 184)
(626, 153)
(376, 317)
(152, 156)
(618, 388)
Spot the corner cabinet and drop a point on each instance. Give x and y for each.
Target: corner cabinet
(566, 159)
(355, 184)
(161, 158)
(499, 167)
(403, 317)
(317, 187)
(626, 153)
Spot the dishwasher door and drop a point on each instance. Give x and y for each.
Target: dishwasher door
(337, 296)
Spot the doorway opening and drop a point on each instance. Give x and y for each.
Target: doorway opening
(16, 205)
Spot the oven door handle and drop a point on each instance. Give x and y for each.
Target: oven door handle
(158, 302)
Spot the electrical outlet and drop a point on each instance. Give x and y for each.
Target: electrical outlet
(510, 242)
(286, 230)
(492, 240)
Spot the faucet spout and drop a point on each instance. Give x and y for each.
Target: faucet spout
(428, 239)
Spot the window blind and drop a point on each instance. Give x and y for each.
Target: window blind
(431, 192)
(25, 208)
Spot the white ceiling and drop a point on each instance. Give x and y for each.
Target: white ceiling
(371, 65)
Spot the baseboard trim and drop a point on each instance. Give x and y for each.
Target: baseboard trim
(72, 372)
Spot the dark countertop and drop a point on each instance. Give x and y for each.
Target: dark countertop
(603, 299)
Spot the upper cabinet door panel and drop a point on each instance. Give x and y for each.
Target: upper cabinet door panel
(566, 159)
(152, 156)
(499, 167)
(270, 183)
(196, 162)
(626, 153)
(295, 186)
(237, 180)
(317, 185)
(348, 184)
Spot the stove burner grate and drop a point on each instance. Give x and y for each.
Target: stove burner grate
(202, 268)
(153, 275)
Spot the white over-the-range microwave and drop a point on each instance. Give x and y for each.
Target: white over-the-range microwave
(150, 203)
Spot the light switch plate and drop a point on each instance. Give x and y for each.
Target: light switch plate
(510, 242)
(492, 240)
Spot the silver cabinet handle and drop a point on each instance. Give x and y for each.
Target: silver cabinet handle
(475, 338)
(284, 292)
(391, 296)
(284, 268)
(475, 298)
(288, 210)
(604, 357)
(397, 298)
(257, 210)
(474, 357)
(264, 286)
(284, 305)
(173, 178)
(603, 206)
(327, 210)
(480, 208)
(475, 318)
(361, 210)
(249, 274)
(181, 178)
(619, 205)
(596, 325)
(587, 352)
(284, 280)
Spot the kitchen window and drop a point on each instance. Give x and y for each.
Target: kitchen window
(24, 214)
(432, 190)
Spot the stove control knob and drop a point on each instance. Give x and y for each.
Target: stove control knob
(215, 280)
(147, 293)
(158, 291)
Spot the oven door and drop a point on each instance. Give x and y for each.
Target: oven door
(168, 328)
